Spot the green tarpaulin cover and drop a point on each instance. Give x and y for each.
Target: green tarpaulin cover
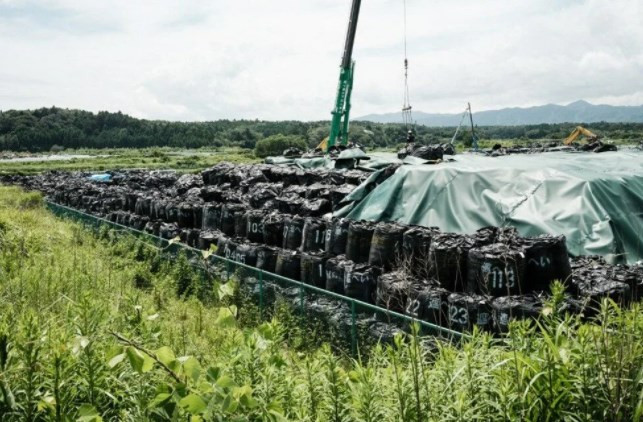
(595, 200)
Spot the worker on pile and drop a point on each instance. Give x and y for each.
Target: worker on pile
(410, 137)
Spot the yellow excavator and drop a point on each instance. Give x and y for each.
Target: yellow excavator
(589, 135)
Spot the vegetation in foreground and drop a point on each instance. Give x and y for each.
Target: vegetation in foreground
(91, 328)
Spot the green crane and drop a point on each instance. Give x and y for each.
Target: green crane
(339, 122)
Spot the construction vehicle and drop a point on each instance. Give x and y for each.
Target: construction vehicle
(339, 122)
(589, 135)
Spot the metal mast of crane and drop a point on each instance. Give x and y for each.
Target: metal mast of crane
(339, 122)
(474, 138)
(407, 114)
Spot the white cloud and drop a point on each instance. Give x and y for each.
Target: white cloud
(198, 60)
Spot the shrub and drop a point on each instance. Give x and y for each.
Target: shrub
(277, 144)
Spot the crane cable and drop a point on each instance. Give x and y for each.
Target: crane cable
(406, 107)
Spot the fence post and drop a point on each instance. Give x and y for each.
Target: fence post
(301, 300)
(261, 294)
(353, 330)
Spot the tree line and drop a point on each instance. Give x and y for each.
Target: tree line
(45, 129)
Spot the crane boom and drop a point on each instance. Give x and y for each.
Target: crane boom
(578, 132)
(474, 138)
(339, 122)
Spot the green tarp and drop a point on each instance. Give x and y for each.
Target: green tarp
(595, 200)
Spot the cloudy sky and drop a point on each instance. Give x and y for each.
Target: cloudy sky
(278, 59)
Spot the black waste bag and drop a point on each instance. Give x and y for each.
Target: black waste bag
(448, 260)
(130, 201)
(228, 213)
(285, 175)
(318, 190)
(293, 232)
(246, 253)
(153, 227)
(594, 293)
(190, 237)
(360, 282)
(212, 194)
(335, 273)
(142, 206)
(428, 152)
(186, 216)
(309, 177)
(122, 218)
(136, 222)
(355, 177)
(469, 310)
(289, 203)
(315, 208)
(187, 182)
(289, 264)
(233, 197)
(448, 149)
(429, 303)
(227, 247)
(630, 275)
(253, 177)
(267, 258)
(211, 217)
(384, 332)
(158, 209)
(313, 235)
(240, 224)
(261, 290)
(496, 270)
(336, 178)
(386, 246)
(197, 210)
(262, 193)
(273, 229)
(337, 236)
(207, 238)
(508, 308)
(254, 225)
(416, 246)
(546, 260)
(485, 236)
(358, 242)
(338, 193)
(488, 235)
(172, 212)
(169, 230)
(313, 269)
(392, 290)
(322, 309)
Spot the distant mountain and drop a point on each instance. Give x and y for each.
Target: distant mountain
(576, 112)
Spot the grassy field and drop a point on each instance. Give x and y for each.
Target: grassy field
(151, 158)
(92, 328)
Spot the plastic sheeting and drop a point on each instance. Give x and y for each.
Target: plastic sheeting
(595, 200)
(373, 162)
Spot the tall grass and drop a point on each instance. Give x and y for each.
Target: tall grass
(96, 328)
